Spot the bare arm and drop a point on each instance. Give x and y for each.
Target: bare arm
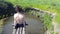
(14, 22)
(25, 22)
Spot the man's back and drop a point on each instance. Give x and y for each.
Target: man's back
(18, 18)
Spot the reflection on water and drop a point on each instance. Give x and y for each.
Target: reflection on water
(34, 27)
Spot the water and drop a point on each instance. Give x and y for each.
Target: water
(34, 27)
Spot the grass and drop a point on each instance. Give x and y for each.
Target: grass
(48, 5)
(47, 21)
(1, 25)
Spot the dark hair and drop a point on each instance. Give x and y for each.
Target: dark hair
(19, 8)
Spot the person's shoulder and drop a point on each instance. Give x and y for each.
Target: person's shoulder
(23, 15)
(15, 14)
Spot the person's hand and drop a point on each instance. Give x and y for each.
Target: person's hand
(13, 25)
(26, 24)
